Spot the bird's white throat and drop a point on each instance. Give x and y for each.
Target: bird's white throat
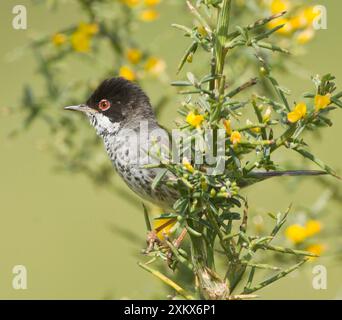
(103, 125)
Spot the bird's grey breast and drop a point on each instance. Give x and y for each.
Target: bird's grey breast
(130, 150)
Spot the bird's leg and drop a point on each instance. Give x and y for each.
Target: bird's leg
(181, 237)
(152, 236)
(151, 239)
(176, 244)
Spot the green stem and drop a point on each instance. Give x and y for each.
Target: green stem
(274, 278)
(221, 37)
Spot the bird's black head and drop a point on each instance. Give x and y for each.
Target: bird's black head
(118, 100)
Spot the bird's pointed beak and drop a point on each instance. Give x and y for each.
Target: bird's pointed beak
(81, 107)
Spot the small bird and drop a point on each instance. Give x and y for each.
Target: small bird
(117, 109)
(122, 116)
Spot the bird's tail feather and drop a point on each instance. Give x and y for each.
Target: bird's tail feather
(254, 177)
(292, 173)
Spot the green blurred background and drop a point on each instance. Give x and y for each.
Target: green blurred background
(67, 232)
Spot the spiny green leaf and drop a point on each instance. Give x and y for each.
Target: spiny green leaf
(147, 220)
(319, 162)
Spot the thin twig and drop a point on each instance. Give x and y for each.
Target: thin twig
(274, 278)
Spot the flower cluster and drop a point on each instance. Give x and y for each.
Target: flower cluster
(299, 234)
(145, 9)
(140, 65)
(299, 22)
(80, 39)
(300, 110)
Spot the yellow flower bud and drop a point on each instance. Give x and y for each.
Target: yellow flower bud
(235, 137)
(213, 193)
(134, 55)
(263, 71)
(59, 39)
(187, 165)
(228, 127)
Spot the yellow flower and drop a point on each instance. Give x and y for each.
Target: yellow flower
(305, 36)
(194, 120)
(310, 14)
(187, 165)
(154, 65)
(228, 127)
(127, 73)
(163, 226)
(235, 137)
(298, 22)
(321, 102)
(80, 41)
(131, 3)
(134, 55)
(89, 28)
(298, 113)
(296, 233)
(149, 15)
(278, 6)
(304, 19)
(313, 227)
(317, 249)
(151, 3)
(285, 30)
(59, 39)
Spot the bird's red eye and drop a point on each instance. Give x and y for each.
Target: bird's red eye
(104, 105)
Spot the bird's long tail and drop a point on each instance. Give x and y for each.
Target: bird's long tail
(292, 173)
(254, 177)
